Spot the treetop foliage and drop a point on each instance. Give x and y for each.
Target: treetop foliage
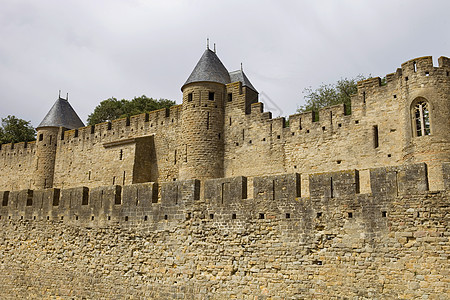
(330, 94)
(111, 109)
(14, 130)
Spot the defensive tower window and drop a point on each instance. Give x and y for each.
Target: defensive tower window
(375, 136)
(189, 97)
(422, 118)
(211, 96)
(230, 97)
(41, 137)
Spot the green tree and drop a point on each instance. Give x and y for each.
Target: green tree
(330, 94)
(111, 109)
(14, 130)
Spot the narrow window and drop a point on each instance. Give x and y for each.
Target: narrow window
(364, 97)
(92, 129)
(233, 216)
(207, 121)
(375, 136)
(230, 97)
(121, 154)
(50, 139)
(76, 133)
(230, 121)
(415, 67)
(350, 215)
(114, 180)
(189, 97)
(29, 198)
(175, 158)
(422, 118)
(211, 96)
(331, 188)
(261, 216)
(117, 198)
(5, 198)
(123, 182)
(288, 215)
(56, 196)
(41, 137)
(300, 123)
(89, 175)
(243, 134)
(85, 200)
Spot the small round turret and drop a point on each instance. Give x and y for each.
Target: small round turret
(202, 119)
(60, 117)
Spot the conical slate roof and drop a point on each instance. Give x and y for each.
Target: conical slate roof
(62, 115)
(239, 75)
(209, 68)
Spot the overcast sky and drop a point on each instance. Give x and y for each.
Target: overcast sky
(97, 49)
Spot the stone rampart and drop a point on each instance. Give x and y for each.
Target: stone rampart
(139, 204)
(124, 242)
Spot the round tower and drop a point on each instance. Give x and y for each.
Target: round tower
(60, 117)
(202, 119)
(427, 128)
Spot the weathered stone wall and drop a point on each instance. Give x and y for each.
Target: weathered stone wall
(17, 165)
(122, 242)
(379, 132)
(125, 151)
(233, 136)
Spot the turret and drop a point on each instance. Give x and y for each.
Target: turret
(204, 95)
(426, 91)
(61, 117)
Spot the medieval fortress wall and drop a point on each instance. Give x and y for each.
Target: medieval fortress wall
(118, 242)
(214, 199)
(237, 138)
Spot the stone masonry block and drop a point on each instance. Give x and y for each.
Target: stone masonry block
(276, 187)
(334, 185)
(75, 197)
(177, 192)
(383, 182)
(140, 194)
(226, 190)
(412, 178)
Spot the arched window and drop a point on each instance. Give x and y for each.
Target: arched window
(422, 118)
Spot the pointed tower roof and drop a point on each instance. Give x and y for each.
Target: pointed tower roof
(209, 68)
(239, 75)
(62, 115)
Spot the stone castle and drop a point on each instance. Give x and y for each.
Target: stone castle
(214, 199)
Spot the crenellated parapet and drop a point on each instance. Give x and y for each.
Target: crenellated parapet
(276, 195)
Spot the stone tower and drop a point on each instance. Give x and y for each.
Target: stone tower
(426, 90)
(204, 95)
(61, 117)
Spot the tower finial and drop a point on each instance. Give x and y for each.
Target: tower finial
(242, 68)
(207, 43)
(59, 95)
(67, 97)
(214, 47)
